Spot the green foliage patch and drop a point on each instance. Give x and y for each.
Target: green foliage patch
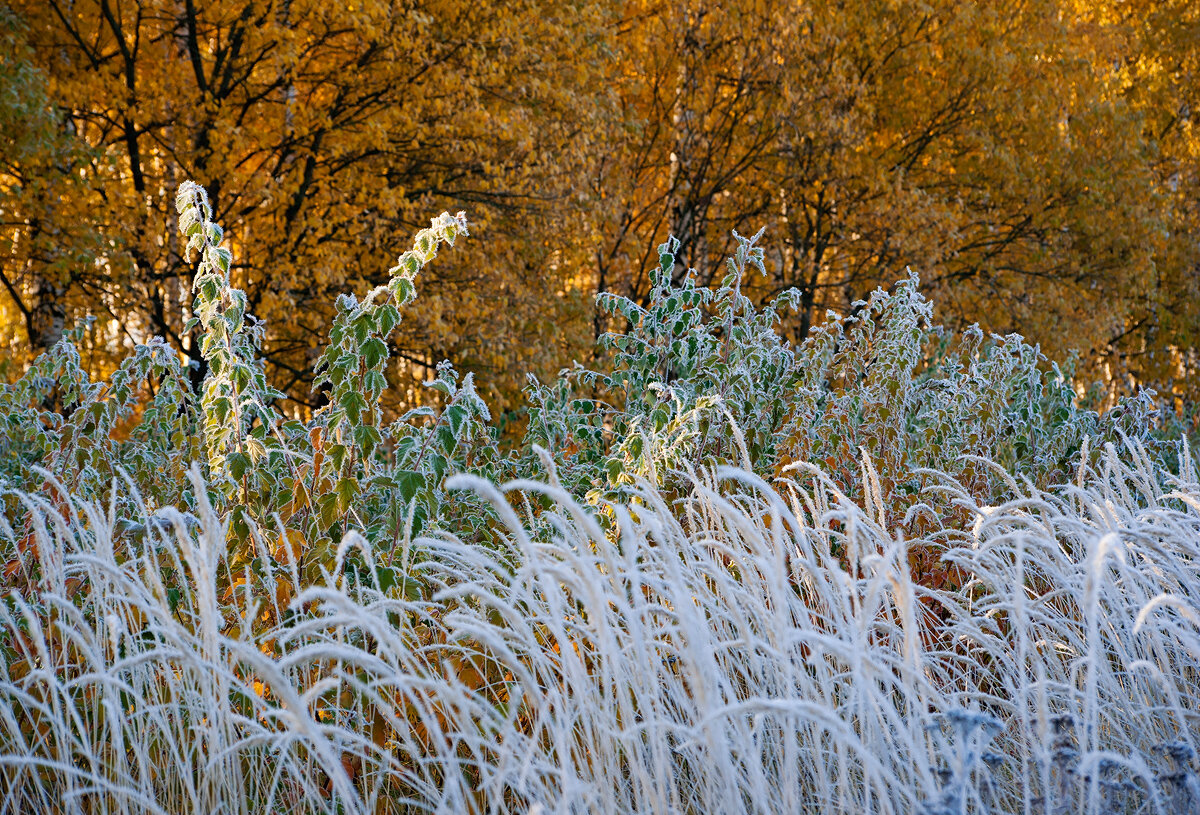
(698, 378)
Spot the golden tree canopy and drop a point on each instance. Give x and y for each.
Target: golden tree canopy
(1034, 162)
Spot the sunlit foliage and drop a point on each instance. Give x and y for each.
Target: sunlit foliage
(1035, 162)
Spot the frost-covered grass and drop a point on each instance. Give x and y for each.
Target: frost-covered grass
(749, 647)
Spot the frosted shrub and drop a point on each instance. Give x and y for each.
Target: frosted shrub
(700, 377)
(140, 422)
(703, 378)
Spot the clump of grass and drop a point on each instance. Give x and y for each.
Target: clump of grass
(750, 647)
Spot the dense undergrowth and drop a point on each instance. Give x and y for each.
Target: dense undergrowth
(887, 570)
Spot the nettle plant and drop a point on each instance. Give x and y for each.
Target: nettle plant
(60, 429)
(298, 484)
(889, 386)
(310, 482)
(700, 378)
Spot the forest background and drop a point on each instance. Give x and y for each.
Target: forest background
(1036, 162)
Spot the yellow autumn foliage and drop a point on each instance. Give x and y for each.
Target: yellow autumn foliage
(1035, 162)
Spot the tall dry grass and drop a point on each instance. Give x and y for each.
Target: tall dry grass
(753, 648)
